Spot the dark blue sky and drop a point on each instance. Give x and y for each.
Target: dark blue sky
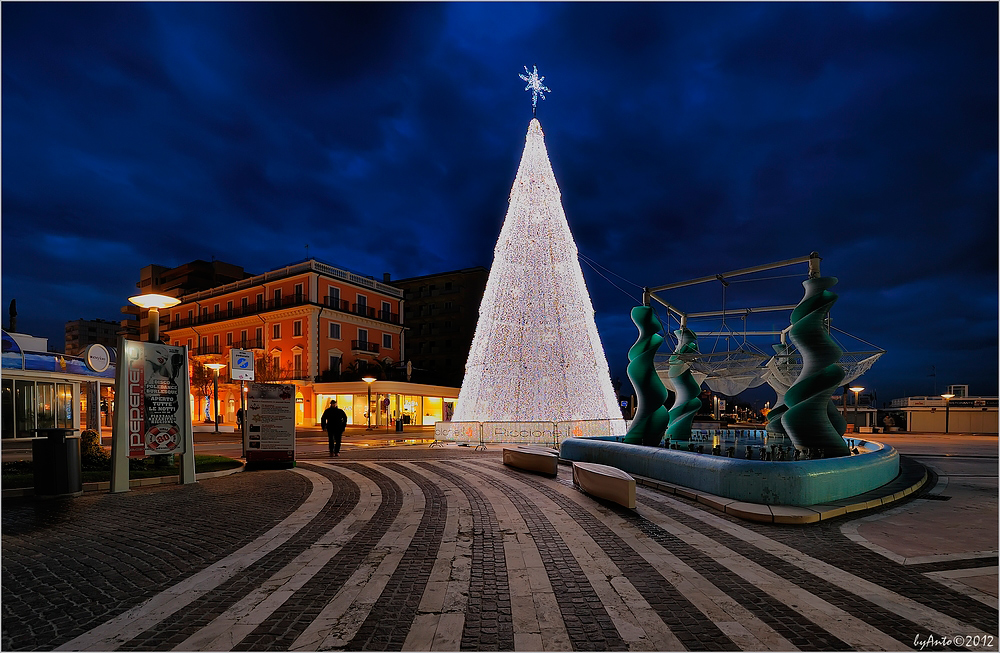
(687, 139)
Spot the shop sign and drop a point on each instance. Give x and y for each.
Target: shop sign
(150, 389)
(270, 434)
(97, 357)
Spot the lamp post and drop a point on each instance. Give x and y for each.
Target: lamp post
(947, 404)
(153, 303)
(856, 389)
(215, 395)
(369, 380)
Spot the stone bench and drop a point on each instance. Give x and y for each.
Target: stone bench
(532, 460)
(605, 482)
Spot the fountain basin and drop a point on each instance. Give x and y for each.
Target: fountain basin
(798, 483)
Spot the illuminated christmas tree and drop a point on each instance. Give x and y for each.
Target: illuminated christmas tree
(536, 354)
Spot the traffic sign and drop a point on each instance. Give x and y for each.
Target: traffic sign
(241, 365)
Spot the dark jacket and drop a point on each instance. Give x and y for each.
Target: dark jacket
(334, 420)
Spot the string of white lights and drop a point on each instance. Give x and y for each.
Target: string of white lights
(536, 354)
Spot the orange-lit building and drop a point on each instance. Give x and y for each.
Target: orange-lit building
(317, 326)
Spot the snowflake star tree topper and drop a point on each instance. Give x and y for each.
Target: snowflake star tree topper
(535, 85)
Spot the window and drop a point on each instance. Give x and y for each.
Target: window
(259, 335)
(215, 342)
(334, 364)
(229, 339)
(447, 285)
(387, 340)
(362, 301)
(204, 343)
(334, 296)
(297, 359)
(216, 310)
(190, 315)
(190, 343)
(298, 291)
(297, 328)
(277, 296)
(229, 308)
(243, 303)
(334, 330)
(243, 338)
(386, 308)
(260, 301)
(276, 331)
(363, 335)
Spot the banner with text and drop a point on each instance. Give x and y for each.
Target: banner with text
(149, 387)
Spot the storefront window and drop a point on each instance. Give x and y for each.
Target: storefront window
(432, 410)
(24, 408)
(7, 419)
(46, 405)
(64, 406)
(344, 403)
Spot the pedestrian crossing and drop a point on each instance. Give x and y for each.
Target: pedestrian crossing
(471, 555)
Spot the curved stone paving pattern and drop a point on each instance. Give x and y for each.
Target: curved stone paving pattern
(449, 555)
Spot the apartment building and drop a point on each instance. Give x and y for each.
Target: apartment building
(82, 333)
(314, 325)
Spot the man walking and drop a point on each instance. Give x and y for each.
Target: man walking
(334, 421)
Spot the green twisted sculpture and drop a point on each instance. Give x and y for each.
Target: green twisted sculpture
(651, 415)
(687, 404)
(809, 420)
(774, 426)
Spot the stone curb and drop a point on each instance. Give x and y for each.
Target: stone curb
(782, 514)
(134, 483)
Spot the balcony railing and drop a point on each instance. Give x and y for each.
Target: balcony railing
(364, 345)
(166, 324)
(207, 350)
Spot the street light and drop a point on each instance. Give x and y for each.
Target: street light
(856, 389)
(369, 380)
(153, 303)
(215, 396)
(947, 404)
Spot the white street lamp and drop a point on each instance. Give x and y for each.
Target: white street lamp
(215, 396)
(856, 389)
(369, 380)
(947, 405)
(154, 302)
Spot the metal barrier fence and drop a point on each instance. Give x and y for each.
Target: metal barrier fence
(547, 433)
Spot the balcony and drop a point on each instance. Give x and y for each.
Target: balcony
(231, 313)
(364, 346)
(363, 310)
(208, 350)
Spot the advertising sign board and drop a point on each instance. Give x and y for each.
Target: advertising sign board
(270, 432)
(154, 375)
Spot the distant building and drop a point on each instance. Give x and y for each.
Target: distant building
(441, 312)
(80, 333)
(176, 282)
(958, 414)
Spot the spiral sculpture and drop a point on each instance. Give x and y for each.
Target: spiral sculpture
(651, 415)
(687, 404)
(808, 421)
(774, 427)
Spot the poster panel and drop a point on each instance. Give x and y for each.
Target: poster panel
(270, 433)
(153, 374)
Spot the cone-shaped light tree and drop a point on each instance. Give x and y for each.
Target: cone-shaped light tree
(536, 354)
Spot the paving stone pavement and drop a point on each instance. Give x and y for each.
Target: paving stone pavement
(441, 549)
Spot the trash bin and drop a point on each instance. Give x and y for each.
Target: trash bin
(399, 425)
(55, 455)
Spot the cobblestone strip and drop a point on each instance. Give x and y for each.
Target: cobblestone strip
(829, 544)
(229, 628)
(858, 597)
(204, 608)
(287, 623)
(441, 613)
(390, 619)
(702, 556)
(111, 634)
(488, 625)
(687, 621)
(588, 624)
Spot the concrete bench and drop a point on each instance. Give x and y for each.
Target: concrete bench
(539, 447)
(532, 460)
(605, 482)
